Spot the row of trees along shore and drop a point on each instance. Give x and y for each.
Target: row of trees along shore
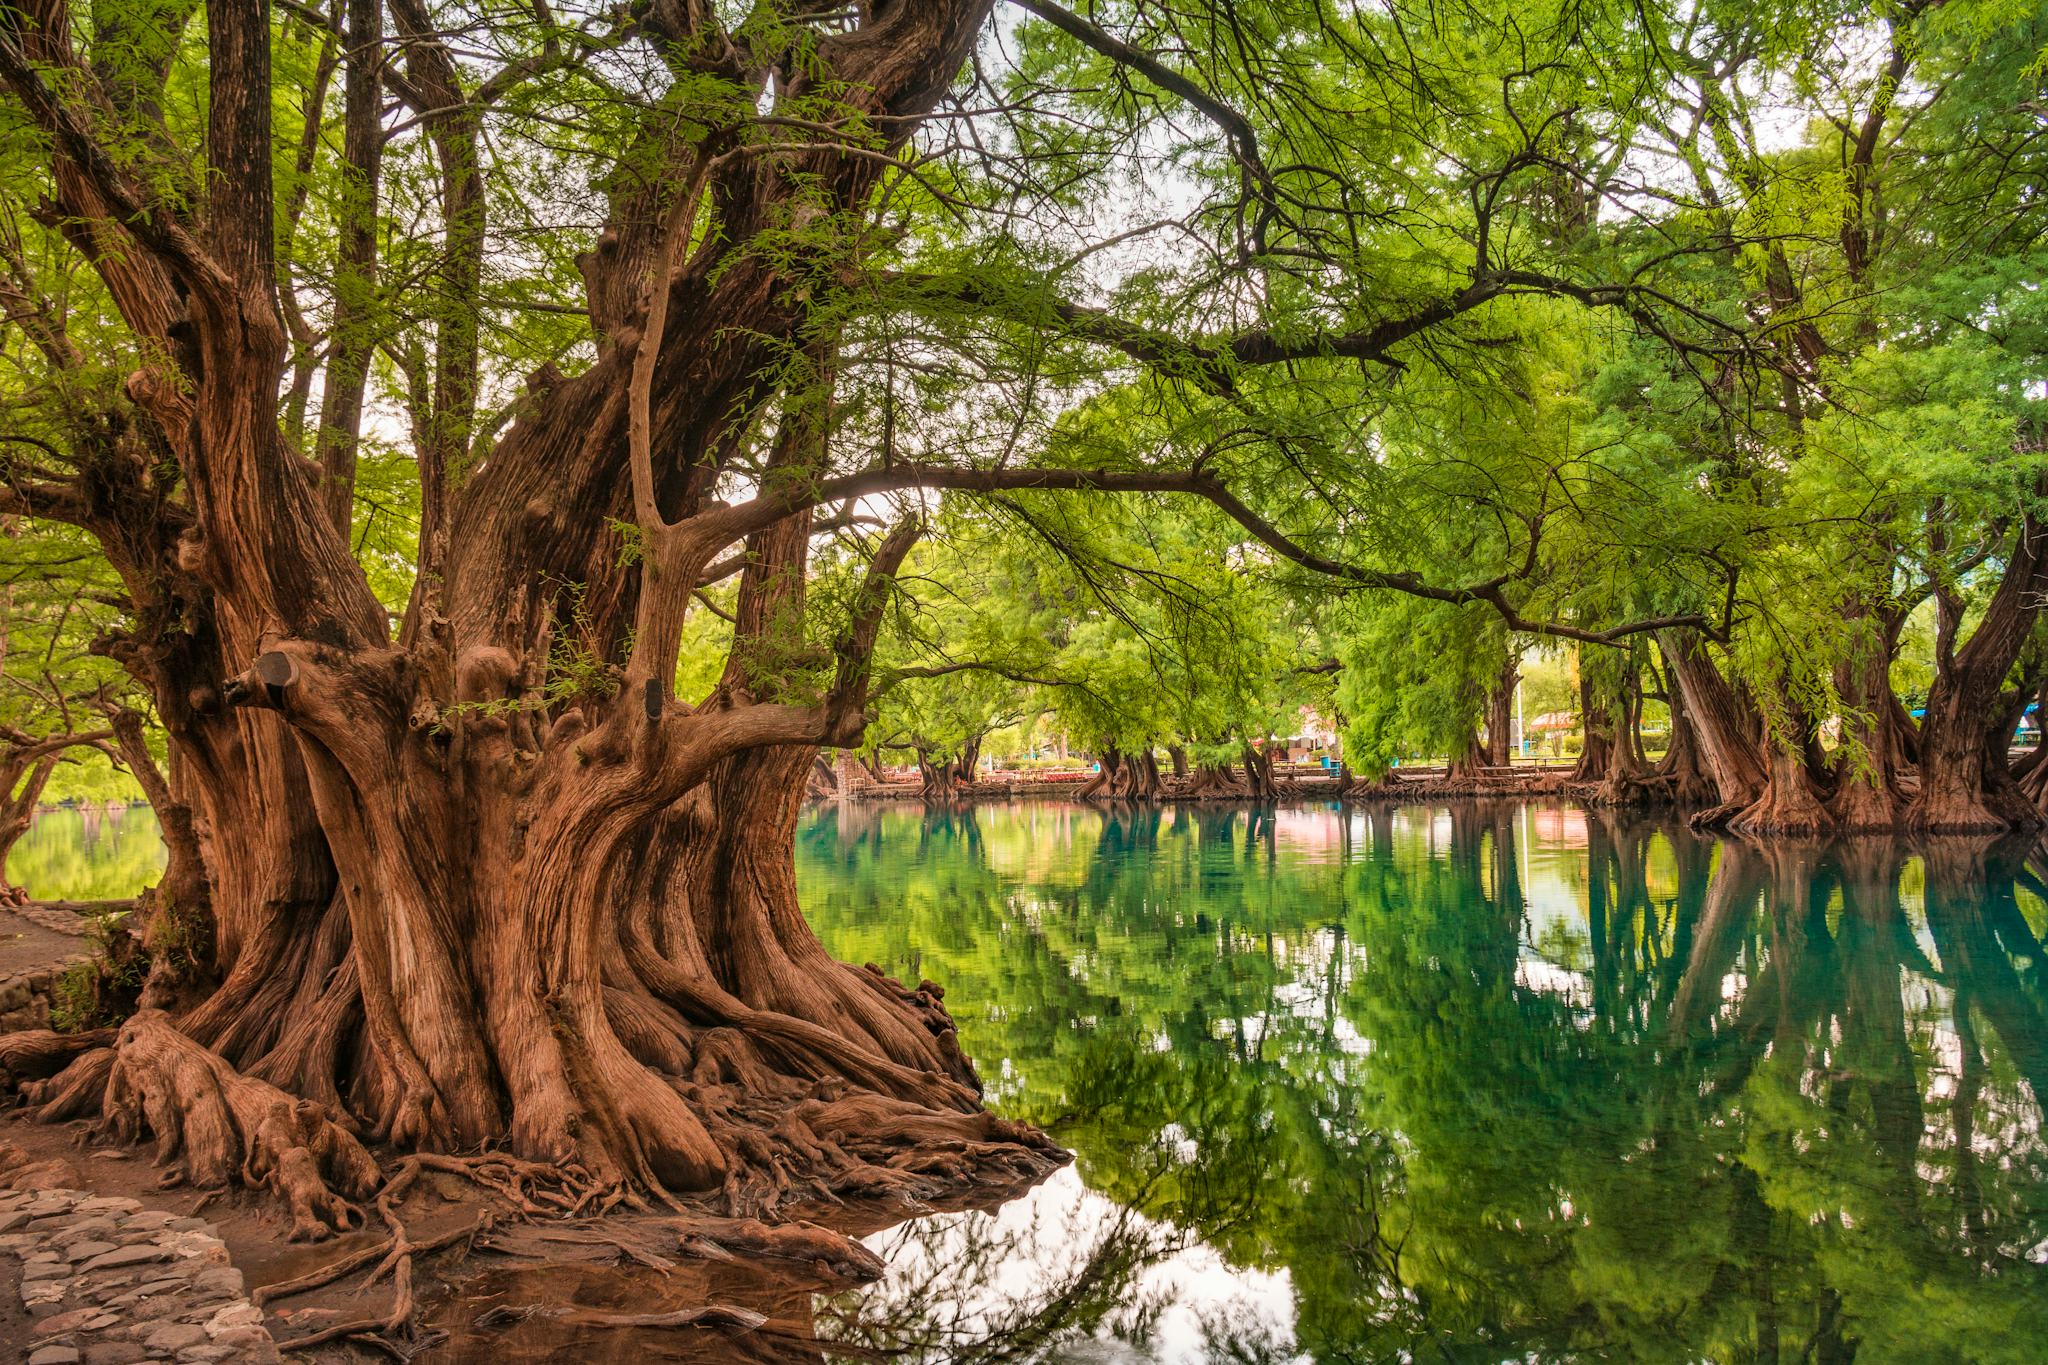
(466, 459)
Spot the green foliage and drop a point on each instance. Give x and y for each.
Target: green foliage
(1511, 1084)
(101, 989)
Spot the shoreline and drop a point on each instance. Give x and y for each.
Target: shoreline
(1424, 784)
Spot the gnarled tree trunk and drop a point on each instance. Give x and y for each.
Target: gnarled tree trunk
(491, 882)
(1723, 725)
(1103, 783)
(1259, 782)
(1964, 786)
(1867, 796)
(1500, 715)
(1683, 769)
(1790, 803)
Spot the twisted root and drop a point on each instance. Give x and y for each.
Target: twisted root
(224, 1126)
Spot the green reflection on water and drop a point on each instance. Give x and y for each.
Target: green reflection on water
(1507, 1082)
(1478, 1082)
(88, 853)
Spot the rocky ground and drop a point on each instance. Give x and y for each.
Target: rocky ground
(103, 1280)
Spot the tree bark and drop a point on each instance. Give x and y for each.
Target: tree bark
(1259, 782)
(1790, 804)
(1102, 783)
(461, 898)
(1866, 797)
(1683, 768)
(1500, 715)
(1964, 786)
(1465, 773)
(1723, 725)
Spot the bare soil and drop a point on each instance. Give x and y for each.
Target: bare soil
(527, 1275)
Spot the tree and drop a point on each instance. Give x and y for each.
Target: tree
(491, 821)
(476, 872)
(466, 828)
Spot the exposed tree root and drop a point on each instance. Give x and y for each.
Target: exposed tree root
(378, 1253)
(35, 1054)
(221, 1126)
(711, 1315)
(532, 1187)
(398, 1259)
(77, 1091)
(831, 1253)
(718, 1315)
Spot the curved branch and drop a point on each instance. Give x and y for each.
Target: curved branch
(729, 523)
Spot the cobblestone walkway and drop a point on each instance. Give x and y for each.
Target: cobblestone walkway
(109, 1282)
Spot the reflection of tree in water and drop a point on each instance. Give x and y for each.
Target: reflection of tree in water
(1758, 1106)
(88, 852)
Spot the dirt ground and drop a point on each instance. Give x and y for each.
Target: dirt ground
(524, 1274)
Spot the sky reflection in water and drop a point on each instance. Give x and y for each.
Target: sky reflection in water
(1488, 1082)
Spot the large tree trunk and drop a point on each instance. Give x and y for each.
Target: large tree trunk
(1466, 770)
(1597, 719)
(1150, 786)
(1866, 796)
(1963, 787)
(1611, 762)
(1790, 803)
(1628, 769)
(1212, 781)
(459, 902)
(1683, 769)
(1103, 782)
(945, 779)
(1259, 781)
(1500, 715)
(1723, 725)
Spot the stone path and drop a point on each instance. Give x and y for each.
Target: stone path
(109, 1282)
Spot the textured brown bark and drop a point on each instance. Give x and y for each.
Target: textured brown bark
(1867, 796)
(1722, 724)
(341, 406)
(1611, 761)
(1964, 785)
(1109, 763)
(1467, 767)
(1500, 715)
(1597, 720)
(450, 910)
(1683, 769)
(1790, 804)
(1214, 781)
(1259, 781)
(947, 779)
(1151, 784)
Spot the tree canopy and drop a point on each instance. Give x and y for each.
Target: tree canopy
(488, 450)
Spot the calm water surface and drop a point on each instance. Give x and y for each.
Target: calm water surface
(1473, 1083)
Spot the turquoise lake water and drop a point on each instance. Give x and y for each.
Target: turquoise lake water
(1475, 1082)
